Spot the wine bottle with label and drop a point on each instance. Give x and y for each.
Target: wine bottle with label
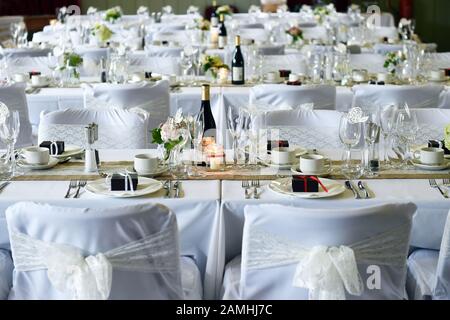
(206, 117)
(214, 17)
(237, 66)
(222, 33)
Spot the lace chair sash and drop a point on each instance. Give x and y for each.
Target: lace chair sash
(90, 278)
(327, 272)
(307, 137)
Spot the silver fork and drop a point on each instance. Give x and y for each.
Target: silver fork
(72, 184)
(446, 182)
(434, 185)
(255, 185)
(246, 187)
(81, 184)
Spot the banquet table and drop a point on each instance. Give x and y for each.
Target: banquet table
(210, 212)
(197, 212)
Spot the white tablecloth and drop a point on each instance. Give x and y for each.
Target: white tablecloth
(428, 225)
(197, 213)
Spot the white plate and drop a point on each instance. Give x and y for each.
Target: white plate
(43, 85)
(158, 172)
(69, 151)
(284, 187)
(429, 167)
(296, 170)
(23, 164)
(145, 186)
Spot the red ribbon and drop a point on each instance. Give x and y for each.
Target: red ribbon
(314, 178)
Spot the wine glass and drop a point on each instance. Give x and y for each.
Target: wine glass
(350, 135)
(406, 130)
(196, 128)
(387, 119)
(233, 122)
(9, 132)
(186, 64)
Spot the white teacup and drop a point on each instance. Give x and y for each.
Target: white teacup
(430, 156)
(383, 77)
(314, 164)
(294, 77)
(21, 77)
(360, 75)
(145, 163)
(283, 156)
(437, 75)
(271, 76)
(39, 80)
(172, 78)
(138, 77)
(36, 155)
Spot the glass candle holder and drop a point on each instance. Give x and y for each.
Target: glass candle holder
(215, 157)
(223, 75)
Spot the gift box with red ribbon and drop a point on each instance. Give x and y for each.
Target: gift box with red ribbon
(277, 144)
(307, 184)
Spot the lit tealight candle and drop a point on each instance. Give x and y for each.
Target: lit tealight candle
(216, 156)
(223, 75)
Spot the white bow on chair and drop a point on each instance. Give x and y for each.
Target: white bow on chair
(90, 278)
(327, 272)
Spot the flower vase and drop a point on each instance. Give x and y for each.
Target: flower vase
(72, 76)
(211, 76)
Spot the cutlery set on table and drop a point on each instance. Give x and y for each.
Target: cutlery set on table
(358, 190)
(248, 185)
(77, 186)
(443, 188)
(173, 189)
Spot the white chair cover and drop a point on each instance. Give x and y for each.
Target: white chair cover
(6, 271)
(21, 53)
(117, 253)
(315, 33)
(117, 129)
(294, 253)
(278, 97)
(427, 96)
(13, 95)
(275, 50)
(161, 65)
(153, 98)
(27, 64)
(429, 271)
(378, 33)
(374, 63)
(259, 35)
(432, 123)
(383, 48)
(294, 62)
(311, 129)
(161, 51)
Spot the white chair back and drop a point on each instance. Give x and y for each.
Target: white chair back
(374, 63)
(277, 97)
(162, 51)
(442, 284)
(427, 96)
(13, 95)
(22, 53)
(153, 98)
(294, 253)
(161, 65)
(311, 129)
(432, 124)
(294, 62)
(259, 35)
(117, 129)
(6, 271)
(84, 253)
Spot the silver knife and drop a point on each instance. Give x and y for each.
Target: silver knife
(177, 189)
(4, 185)
(363, 188)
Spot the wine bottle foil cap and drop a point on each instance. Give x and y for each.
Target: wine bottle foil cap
(205, 92)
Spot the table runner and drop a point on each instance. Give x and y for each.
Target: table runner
(75, 171)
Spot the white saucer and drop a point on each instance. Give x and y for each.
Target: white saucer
(23, 164)
(272, 82)
(269, 163)
(445, 79)
(156, 173)
(43, 85)
(296, 170)
(438, 167)
(69, 151)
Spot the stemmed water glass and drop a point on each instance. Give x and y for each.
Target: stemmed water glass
(371, 137)
(350, 135)
(186, 63)
(196, 128)
(9, 132)
(387, 122)
(406, 129)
